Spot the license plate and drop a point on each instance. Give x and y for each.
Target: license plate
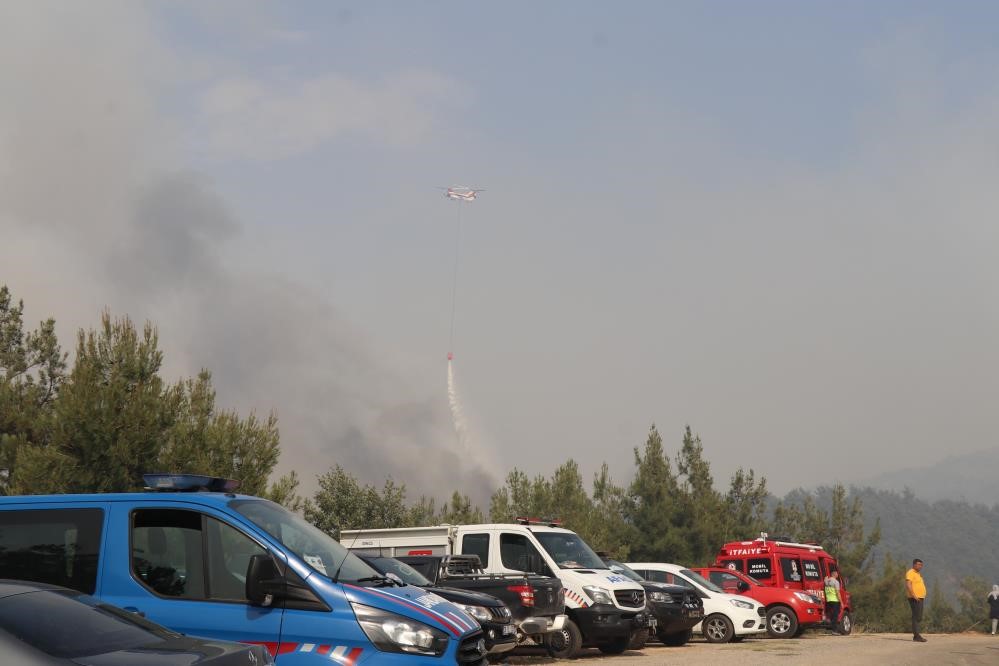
(695, 613)
(509, 629)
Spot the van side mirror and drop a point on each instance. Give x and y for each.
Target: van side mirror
(742, 586)
(263, 582)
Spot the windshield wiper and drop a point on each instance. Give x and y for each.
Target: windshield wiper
(383, 580)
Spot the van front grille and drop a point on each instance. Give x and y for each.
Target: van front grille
(630, 598)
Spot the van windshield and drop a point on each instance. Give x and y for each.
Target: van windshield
(569, 551)
(406, 573)
(316, 548)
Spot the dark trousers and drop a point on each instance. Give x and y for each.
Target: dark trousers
(832, 612)
(917, 614)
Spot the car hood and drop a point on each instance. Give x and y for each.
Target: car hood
(182, 651)
(417, 604)
(467, 597)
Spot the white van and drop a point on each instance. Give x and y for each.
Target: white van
(726, 616)
(605, 609)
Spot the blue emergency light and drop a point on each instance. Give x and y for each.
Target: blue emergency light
(189, 483)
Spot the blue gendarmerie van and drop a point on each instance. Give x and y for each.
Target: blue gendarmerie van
(197, 558)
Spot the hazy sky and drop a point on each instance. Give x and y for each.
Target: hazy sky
(774, 221)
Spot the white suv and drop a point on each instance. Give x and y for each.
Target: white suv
(726, 616)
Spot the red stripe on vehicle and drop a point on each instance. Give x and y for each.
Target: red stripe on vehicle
(287, 647)
(323, 649)
(352, 657)
(271, 647)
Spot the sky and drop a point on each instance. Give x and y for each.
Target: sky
(772, 221)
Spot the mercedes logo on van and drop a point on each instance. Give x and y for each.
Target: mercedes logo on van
(253, 659)
(636, 598)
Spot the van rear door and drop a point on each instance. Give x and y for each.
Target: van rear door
(184, 567)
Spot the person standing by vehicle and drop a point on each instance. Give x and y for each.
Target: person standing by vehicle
(994, 607)
(915, 590)
(832, 588)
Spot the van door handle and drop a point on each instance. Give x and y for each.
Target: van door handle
(133, 609)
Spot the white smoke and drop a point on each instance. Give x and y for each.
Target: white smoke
(471, 447)
(457, 416)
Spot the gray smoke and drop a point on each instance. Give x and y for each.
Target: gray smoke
(95, 212)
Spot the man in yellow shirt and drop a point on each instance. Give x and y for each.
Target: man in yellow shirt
(915, 589)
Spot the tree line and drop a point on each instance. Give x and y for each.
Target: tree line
(97, 424)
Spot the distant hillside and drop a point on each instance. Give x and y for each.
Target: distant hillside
(954, 538)
(970, 477)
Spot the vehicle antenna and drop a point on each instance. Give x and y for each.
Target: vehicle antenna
(336, 576)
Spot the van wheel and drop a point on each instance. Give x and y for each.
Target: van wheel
(781, 622)
(717, 629)
(845, 625)
(677, 639)
(616, 646)
(565, 643)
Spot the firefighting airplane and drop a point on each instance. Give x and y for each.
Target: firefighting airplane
(461, 193)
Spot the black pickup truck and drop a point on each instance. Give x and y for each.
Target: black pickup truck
(536, 602)
(675, 608)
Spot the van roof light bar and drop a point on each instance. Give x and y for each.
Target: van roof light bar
(189, 483)
(550, 522)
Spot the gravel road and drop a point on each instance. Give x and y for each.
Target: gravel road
(812, 649)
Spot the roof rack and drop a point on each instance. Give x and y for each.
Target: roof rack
(188, 483)
(786, 541)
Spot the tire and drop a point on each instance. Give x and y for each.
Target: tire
(845, 625)
(717, 628)
(677, 639)
(616, 646)
(781, 622)
(638, 639)
(565, 644)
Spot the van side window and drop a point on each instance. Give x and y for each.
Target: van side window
(167, 552)
(229, 552)
(735, 565)
(655, 576)
(811, 569)
(518, 553)
(759, 568)
(56, 546)
(791, 569)
(477, 544)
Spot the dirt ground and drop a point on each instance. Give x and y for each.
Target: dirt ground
(812, 649)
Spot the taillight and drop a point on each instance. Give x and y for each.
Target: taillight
(526, 593)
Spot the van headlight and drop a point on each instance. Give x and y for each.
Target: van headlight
(739, 603)
(598, 594)
(480, 613)
(808, 598)
(660, 597)
(390, 632)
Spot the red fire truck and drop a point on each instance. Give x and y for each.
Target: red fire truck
(777, 562)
